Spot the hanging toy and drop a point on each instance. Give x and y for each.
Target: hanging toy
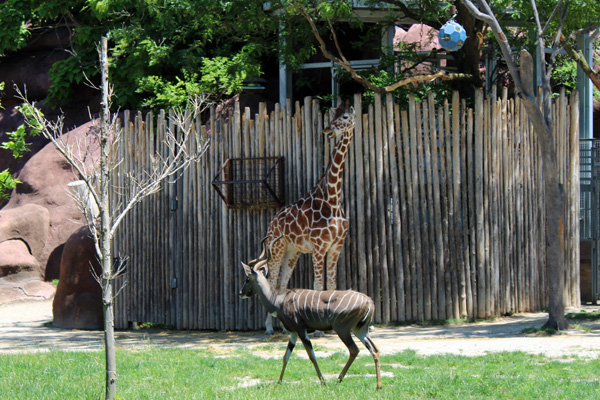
(452, 35)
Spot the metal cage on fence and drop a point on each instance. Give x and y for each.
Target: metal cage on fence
(251, 183)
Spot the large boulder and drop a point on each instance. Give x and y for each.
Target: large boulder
(44, 183)
(23, 233)
(29, 223)
(78, 300)
(15, 259)
(19, 274)
(42, 216)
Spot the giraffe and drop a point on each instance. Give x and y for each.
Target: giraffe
(315, 223)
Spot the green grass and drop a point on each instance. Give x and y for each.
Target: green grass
(584, 315)
(203, 374)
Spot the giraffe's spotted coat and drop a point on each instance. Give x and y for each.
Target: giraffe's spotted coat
(315, 223)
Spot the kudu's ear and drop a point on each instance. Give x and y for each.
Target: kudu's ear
(247, 269)
(263, 269)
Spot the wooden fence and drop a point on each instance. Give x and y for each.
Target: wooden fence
(445, 207)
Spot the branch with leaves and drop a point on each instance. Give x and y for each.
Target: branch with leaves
(581, 61)
(344, 63)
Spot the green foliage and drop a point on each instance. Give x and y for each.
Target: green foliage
(580, 13)
(7, 184)
(167, 94)
(18, 145)
(387, 73)
(14, 31)
(159, 49)
(163, 51)
(565, 73)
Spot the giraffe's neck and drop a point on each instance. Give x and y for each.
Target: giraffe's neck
(331, 182)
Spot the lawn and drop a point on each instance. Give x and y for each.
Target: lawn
(241, 374)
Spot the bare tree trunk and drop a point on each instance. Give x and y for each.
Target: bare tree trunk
(104, 246)
(540, 119)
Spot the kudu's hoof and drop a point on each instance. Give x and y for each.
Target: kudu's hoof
(319, 334)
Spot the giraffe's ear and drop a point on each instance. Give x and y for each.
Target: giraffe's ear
(351, 110)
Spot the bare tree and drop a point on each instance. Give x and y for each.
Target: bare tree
(96, 174)
(540, 116)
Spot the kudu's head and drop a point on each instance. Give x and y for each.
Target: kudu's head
(343, 120)
(253, 269)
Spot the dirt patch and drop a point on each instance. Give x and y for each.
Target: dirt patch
(26, 327)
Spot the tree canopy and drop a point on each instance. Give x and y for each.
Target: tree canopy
(163, 52)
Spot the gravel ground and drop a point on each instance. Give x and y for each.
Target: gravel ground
(26, 327)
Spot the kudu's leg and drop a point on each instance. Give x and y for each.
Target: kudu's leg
(363, 335)
(311, 353)
(352, 348)
(288, 352)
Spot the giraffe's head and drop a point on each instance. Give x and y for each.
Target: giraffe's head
(343, 120)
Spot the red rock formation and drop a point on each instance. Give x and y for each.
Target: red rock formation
(78, 299)
(42, 216)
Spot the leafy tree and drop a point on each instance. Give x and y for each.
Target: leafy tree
(163, 52)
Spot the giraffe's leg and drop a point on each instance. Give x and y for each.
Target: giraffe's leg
(277, 254)
(333, 254)
(287, 267)
(318, 257)
(332, 258)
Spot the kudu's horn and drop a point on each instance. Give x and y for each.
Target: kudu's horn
(264, 249)
(268, 251)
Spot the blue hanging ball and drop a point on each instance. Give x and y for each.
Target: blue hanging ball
(452, 36)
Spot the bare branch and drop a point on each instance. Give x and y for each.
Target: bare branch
(421, 78)
(554, 11)
(337, 44)
(183, 146)
(344, 63)
(580, 60)
(94, 274)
